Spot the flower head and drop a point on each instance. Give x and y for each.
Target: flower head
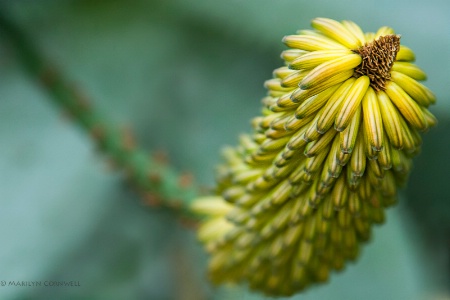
(338, 130)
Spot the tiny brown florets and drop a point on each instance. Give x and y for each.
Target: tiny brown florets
(378, 57)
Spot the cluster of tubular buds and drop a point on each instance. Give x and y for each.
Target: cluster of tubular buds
(338, 131)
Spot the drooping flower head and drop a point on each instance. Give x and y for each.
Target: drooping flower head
(338, 130)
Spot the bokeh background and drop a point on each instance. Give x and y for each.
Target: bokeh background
(187, 76)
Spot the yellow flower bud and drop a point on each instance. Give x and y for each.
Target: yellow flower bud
(339, 129)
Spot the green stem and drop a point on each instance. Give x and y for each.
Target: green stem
(157, 182)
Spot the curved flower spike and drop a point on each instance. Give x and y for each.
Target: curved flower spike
(336, 137)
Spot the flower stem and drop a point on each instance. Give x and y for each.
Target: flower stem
(158, 183)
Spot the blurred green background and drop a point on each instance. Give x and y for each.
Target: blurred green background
(187, 76)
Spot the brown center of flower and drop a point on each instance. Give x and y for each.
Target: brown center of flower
(378, 57)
